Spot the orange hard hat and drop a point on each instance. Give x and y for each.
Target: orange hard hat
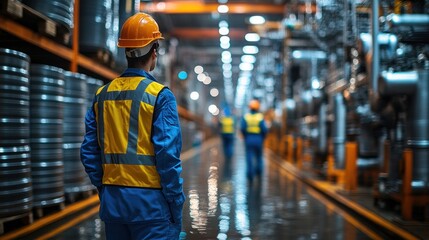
(139, 31)
(254, 104)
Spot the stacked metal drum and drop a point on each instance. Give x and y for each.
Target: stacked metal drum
(15, 168)
(47, 114)
(60, 11)
(75, 106)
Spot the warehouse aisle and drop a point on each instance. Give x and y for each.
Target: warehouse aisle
(222, 204)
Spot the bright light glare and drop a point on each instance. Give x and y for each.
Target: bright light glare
(214, 92)
(222, 9)
(227, 67)
(207, 80)
(198, 69)
(252, 37)
(250, 49)
(201, 77)
(227, 74)
(224, 39)
(194, 95)
(315, 84)
(246, 66)
(212, 108)
(226, 54)
(223, 23)
(243, 81)
(225, 45)
(248, 58)
(256, 20)
(223, 30)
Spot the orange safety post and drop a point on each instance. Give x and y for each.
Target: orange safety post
(299, 153)
(289, 148)
(351, 170)
(407, 204)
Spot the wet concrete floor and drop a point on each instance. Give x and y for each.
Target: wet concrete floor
(222, 204)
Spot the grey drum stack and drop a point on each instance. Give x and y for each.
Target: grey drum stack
(75, 106)
(47, 165)
(60, 11)
(15, 168)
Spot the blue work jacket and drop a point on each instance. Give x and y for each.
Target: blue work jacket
(123, 204)
(253, 139)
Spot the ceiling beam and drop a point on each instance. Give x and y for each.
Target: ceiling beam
(195, 7)
(206, 33)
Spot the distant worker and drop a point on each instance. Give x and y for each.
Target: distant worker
(254, 130)
(227, 130)
(131, 149)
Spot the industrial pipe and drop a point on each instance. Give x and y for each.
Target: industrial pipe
(339, 130)
(393, 83)
(418, 130)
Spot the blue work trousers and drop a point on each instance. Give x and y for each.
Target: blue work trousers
(164, 230)
(228, 145)
(253, 152)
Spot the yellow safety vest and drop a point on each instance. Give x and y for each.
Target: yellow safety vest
(252, 122)
(227, 124)
(124, 111)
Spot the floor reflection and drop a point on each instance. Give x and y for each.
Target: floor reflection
(222, 204)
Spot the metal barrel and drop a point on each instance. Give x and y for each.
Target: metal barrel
(99, 20)
(60, 11)
(46, 121)
(15, 169)
(75, 106)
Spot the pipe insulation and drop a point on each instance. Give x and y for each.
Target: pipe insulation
(339, 130)
(417, 133)
(395, 83)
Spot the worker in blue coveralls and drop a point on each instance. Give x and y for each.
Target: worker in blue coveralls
(254, 130)
(227, 130)
(131, 150)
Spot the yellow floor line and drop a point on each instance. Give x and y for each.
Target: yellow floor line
(51, 218)
(330, 190)
(370, 233)
(70, 224)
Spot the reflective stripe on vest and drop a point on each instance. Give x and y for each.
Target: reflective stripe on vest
(227, 125)
(252, 122)
(124, 111)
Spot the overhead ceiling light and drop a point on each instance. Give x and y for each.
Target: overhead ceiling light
(248, 58)
(224, 39)
(223, 31)
(227, 66)
(225, 45)
(250, 49)
(214, 92)
(222, 8)
(207, 80)
(201, 77)
(226, 54)
(194, 95)
(223, 23)
(198, 69)
(227, 74)
(252, 37)
(213, 108)
(256, 20)
(246, 66)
